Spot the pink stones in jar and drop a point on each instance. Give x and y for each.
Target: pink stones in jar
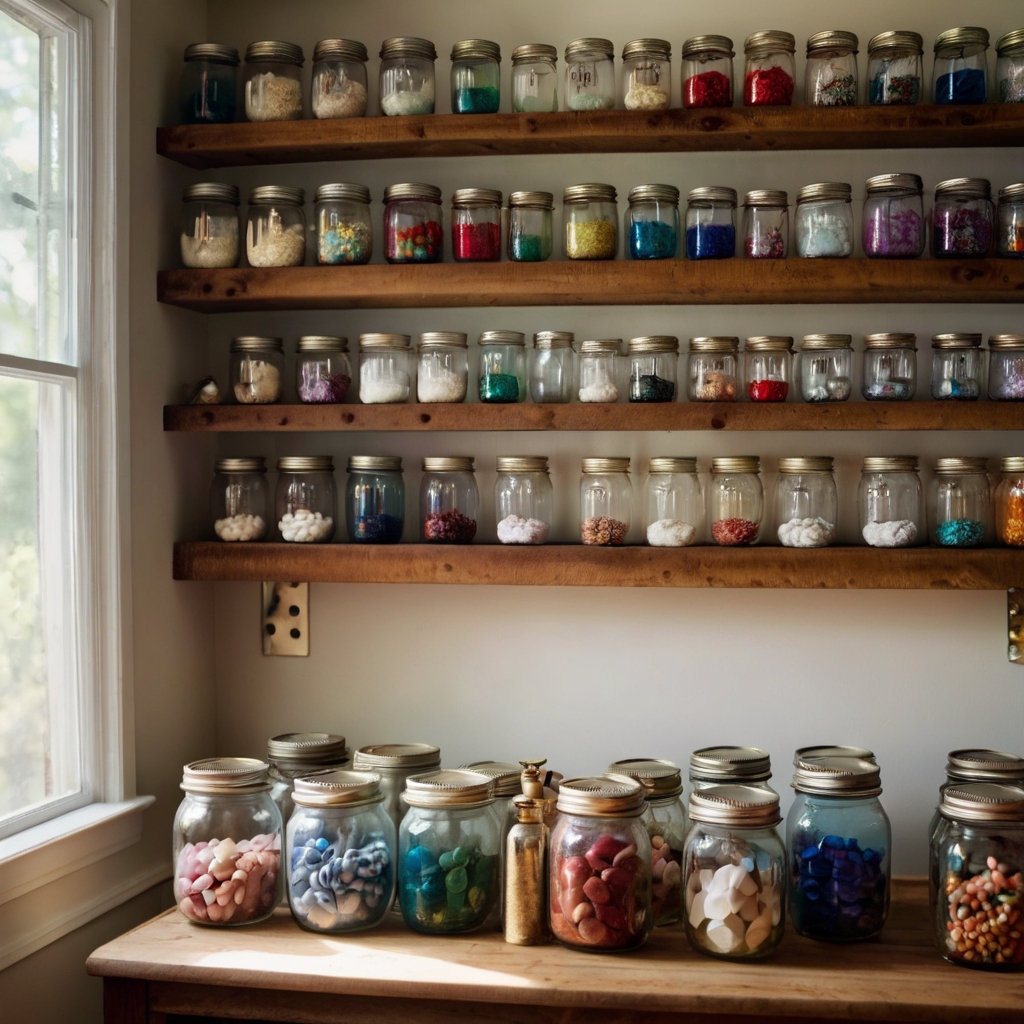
(224, 882)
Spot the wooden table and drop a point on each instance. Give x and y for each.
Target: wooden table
(276, 972)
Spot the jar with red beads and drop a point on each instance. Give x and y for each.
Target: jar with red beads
(449, 500)
(707, 71)
(476, 225)
(769, 368)
(766, 224)
(770, 69)
(412, 223)
(735, 501)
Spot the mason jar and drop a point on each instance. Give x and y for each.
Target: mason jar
(306, 499)
(675, 503)
(806, 503)
(890, 501)
(766, 224)
(742, 766)
(653, 368)
(1006, 367)
(647, 74)
(960, 73)
(412, 223)
(273, 81)
(711, 223)
(442, 373)
(208, 90)
(449, 500)
(707, 71)
(957, 366)
(339, 79)
(323, 373)
(529, 226)
(768, 367)
(239, 499)
(895, 68)
(1010, 236)
(1008, 499)
(735, 501)
(830, 79)
(590, 217)
(476, 77)
(209, 225)
(606, 502)
(256, 370)
(962, 218)
(394, 763)
(227, 843)
(295, 754)
(893, 216)
(506, 783)
(599, 874)
(961, 503)
(1010, 66)
(343, 230)
(524, 501)
(826, 367)
(534, 79)
(407, 76)
(890, 367)
(448, 852)
(652, 222)
(840, 846)
(824, 220)
(276, 227)
(734, 858)
(502, 367)
(551, 367)
(713, 370)
(385, 368)
(375, 499)
(600, 372)
(590, 74)
(770, 69)
(476, 225)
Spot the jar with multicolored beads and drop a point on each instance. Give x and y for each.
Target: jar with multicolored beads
(770, 70)
(707, 72)
(735, 501)
(960, 72)
(1010, 218)
(962, 218)
(1010, 66)
(343, 230)
(890, 367)
(412, 223)
(893, 222)
(895, 68)
(1008, 499)
(960, 503)
(958, 362)
(831, 76)
(766, 224)
(1006, 367)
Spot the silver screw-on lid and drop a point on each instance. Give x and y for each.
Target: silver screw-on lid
(837, 776)
(476, 49)
(534, 53)
(343, 190)
(730, 764)
(605, 796)
(983, 801)
(337, 789)
(274, 51)
(658, 777)
(407, 46)
(215, 53)
(449, 787)
(506, 776)
(280, 195)
(211, 192)
(341, 50)
(412, 190)
(738, 806)
(225, 775)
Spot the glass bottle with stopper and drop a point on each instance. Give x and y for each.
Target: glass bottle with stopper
(526, 851)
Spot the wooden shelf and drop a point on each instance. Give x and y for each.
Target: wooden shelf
(615, 131)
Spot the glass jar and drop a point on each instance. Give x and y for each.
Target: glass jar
(957, 367)
(599, 873)
(442, 373)
(339, 79)
(830, 79)
(839, 842)
(307, 500)
(448, 852)
(826, 367)
(711, 223)
(606, 502)
(341, 853)
(529, 226)
(227, 843)
(524, 501)
(891, 506)
(734, 867)
(768, 368)
(675, 503)
(824, 220)
(209, 225)
(707, 71)
(208, 90)
(713, 373)
(962, 218)
(895, 68)
(742, 766)
(476, 77)
(239, 499)
(735, 501)
(293, 755)
(1006, 367)
(407, 76)
(506, 783)
(960, 503)
(476, 225)
(256, 370)
(385, 368)
(960, 73)
(551, 367)
(770, 69)
(412, 224)
(534, 79)
(449, 500)
(890, 367)
(647, 74)
(375, 499)
(653, 368)
(1008, 499)
(590, 216)
(893, 216)
(600, 372)
(806, 503)
(395, 763)
(343, 230)
(273, 81)
(766, 224)
(590, 74)
(1010, 66)
(502, 367)
(275, 234)
(652, 222)
(323, 373)
(1010, 237)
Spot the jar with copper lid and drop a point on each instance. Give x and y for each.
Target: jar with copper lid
(891, 502)
(208, 87)
(890, 367)
(502, 367)
(385, 368)
(960, 72)
(343, 231)
(713, 370)
(209, 225)
(711, 223)
(806, 502)
(653, 368)
(647, 74)
(412, 223)
(590, 222)
(534, 79)
(766, 224)
(273, 81)
(606, 502)
(339, 79)
(652, 222)
(442, 373)
(1010, 66)
(826, 367)
(407, 76)
(530, 231)
(1008, 499)
(824, 221)
(830, 79)
(295, 754)
(962, 218)
(960, 503)
(256, 370)
(590, 74)
(375, 499)
(323, 372)
(675, 503)
(240, 499)
(306, 499)
(741, 766)
(895, 68)
(735, 501)
(476, 77)
(599, 369)
(893, 226)
(275, 233)
(394, 763)
(449, 500)
(524, 502)
(1010, 221)
(707, 71)
(476, 225)
(552, 366)
(769, 368)
(770, 70)
(957, 367)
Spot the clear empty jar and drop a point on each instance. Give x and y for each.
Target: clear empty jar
(647, 74)
(306, 500)
(407, 76)
(476, 81)
(209, 225)
(652, 222)
(256, 370)
(295, 754)
(276, 227)
(524, 502)
(476, 225)
(606, 502)
(449, 500)
(895, 68)
(1010, 217)
(1010, 66)
(891, 503)
(343, 230)
(960, 503)
(385, 368)
(375, 499)
(716, 766)
(273, 81)
(534, 79)
(707, 71)
(590, 218)
(675, 503)
(735, 501)
(830, 79)
(412, 223)
(208, 86)
(713, 373)
(529, 226)
(502, 367)
(824, 220)
(323, 373)
(806, 503)
(442, 373)
(826, 367)
(551, 367)
(711, 223)
(240, 500)
(600, 371)
(590, 74)
(962, 218)
(770, 70)
(957, 367)
(766, 224)
(893, 216)
(1006, 367)
(394, 763)
(1008, 499)
(339, 79)
(653, 368)
(768, 368)
(890, 367)
(960, 72)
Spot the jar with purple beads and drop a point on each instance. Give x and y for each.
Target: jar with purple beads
(893, 216)
(766, 224)
(962, 218)
(323, 373)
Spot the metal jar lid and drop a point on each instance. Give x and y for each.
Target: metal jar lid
(397, 757)
(736, 464)
(737, 806)
(833, 191)
(672, 464)
(532, 200)
(1011, 44)
(832, 750)
(534, 53)
(275, 51)
(965, 188)
(399, 342)
(711, 45)
(590, 44)
(655, 49)
(837, 776)
(589, 192)
(890, 464)
(516, 338)
(607, 796)
(338, 789)
(653, 343)
(981, 765)
(956, 38)
(306, 749)
(721, 344)
(658, 777)
(442, 339)
(891, 340)
(831, 40)
(412, 190)
(807, 464)
(343, 190)
(1012, 193)
(606, 465)
(711, 194)
(322, 343)
(211, 192)
(967, 466)
(520, 464)
(602, 346)
(818, 342)
(256, 464)
(214, 775)
(276, 195)
(407, 46)
(546, 340)
(894, 185)
(983, 801)
(898, 40)
(1011, 464)
(760, 44)
(956, 341)
(374, 464)
(251, 343)
(767, 197)
(769, 343)
(449, 787)
(654, 193)
(476, 49)
(305, 464)
(730, 764)
(340, 49)
(506, 776)
(448, 464)
(215, 53)
(473, 198)
(1006, 343)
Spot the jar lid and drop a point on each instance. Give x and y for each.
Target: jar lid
(877, 341)
(897, 40)
(448, 464)
(1011, 464)
(653, 343)
(968, 188)
(832, 750)
(770, 197)
(305, 464)
(606, 465)
(590, 192)
(399, 342)
(837, 776)
(442, 339)
(449, 787)
(530, 53)
(506, 776)
(672, 464)
(769, 343)
(956, 341)
(657, 49)
(275, 51)
(1006, 342)
(658, 777)
(760, 44)
(307, 749)
(340, 49)
(606, 796)
(981, 765)
(954, 38)
(374, 464)
(894, 184)
(268, 195)
(322, 343)
(807, 464)
(836, 191)
(710, 44)
(553, 339)
(602, 346)
(711, 194)
(590, 44)
(211, 192)
(400, 756)
(815, 342)
(730, 764)
(343, 190)
(502, 338)
(961, 466)
(412, 190)
(471, 198)
(337, 789)
(215, 53)
(654, 193)
(1011, 44)
(891, 464)
(714, 344)
(1012, 193)
(740, 806)
(983, 801)
(736, 464)
(520, 464)
(250, 343)
(532, 200)
(407, 46)
(476, 49)
(831, 40)
(256, 464)
(225, 775)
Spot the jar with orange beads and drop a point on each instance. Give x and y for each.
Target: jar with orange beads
(1009, 502)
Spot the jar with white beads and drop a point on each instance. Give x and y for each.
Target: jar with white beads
(524, 502)
(675, 503)
(826, 367)
(824, 220)
(724, 765)
(442, 372)
(890, 367)
(1010, 66)
(240, 499)
(713, 373)
(407, 76)
(307, 500)
(256, 370)
(276, 227)
(551, 367)
(339, 79)
(958, 362)
(209, 225)
(647, 74)
(806, 502)
(534, 79)
(735, 500)
(600, 371)
(273, 81)
(385, 368)
(891, 502)
(831, 76)
(590, 74)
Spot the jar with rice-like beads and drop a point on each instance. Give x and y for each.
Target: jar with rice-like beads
(385, 368)
(273, 81)
(275, 234)
(647, 74)
(209, 225)
(256, 370)
(590, 221)
(339, 79)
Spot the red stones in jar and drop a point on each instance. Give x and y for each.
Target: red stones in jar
(770, 69)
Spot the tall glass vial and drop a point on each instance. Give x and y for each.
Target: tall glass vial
(769, 368)
(385, 368)
(830, 79)
(529, 226)
(893, 225)
(806, 502)
(394, 763)
(1008, 499)
(1010, 66)
(323, 373)
(412, 223)
(1010, 217)
(652, 222)
(606, 502)
(653, 368)
(407, 76)
(890, 367)
(295, 754)
(551, 366)
(891, 503)
(502, 367)
(590, 220)
(476, 225)
(449, 500)
(525, 882)
(824, 220)
(963, 218)
(442, 374)
(375, 499)
(339, 79)
(826, 367)
(239, 500)
(960, 503)
(711, 223)
(276, 227)
(273, 81)
(675, 503)
(960, 73)
(707, 71)
(590, 74)
(209, 225)
(524, 501)
(647, 74)
(534, 79)
(770, 70)
(895, 69)
(256, 370)
(743, 766)
(343, 230)
(208, 90)
(957, 367)
(735, 501)
(306, 499)
(1006, 367)
(713, 370)
(766, 224)
(476, 77)
(600, 371)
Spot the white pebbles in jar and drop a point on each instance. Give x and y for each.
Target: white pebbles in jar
(209, 225)
(385, 368)
(339, 79)
(273, 86)
(523, 499)
(275, 234)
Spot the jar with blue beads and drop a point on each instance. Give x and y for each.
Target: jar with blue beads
(341, 853)
(652, 223)
(839, 843)
(476, 65)
(960, 73)
(375, 499)
(711, 223)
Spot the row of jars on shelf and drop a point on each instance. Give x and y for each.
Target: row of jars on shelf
(963, 223)
(273, 86)
(964, 509)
